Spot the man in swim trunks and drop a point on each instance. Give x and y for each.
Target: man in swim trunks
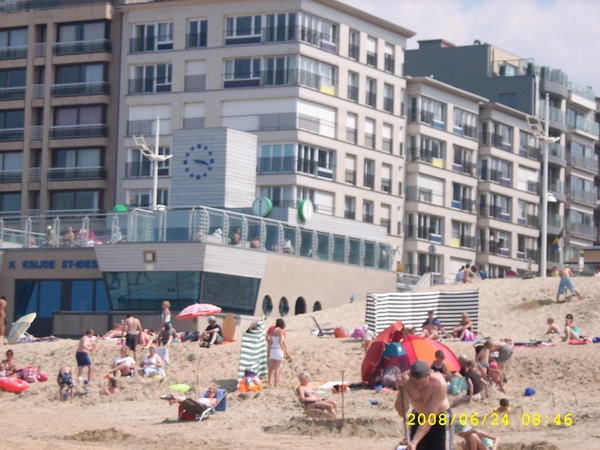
(65, 383)
(505, 351)
(432, 327)
(83, 354)
(566, 283)
(132, 327)
(427, 391)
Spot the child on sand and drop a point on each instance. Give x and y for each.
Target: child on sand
(112, 387)
(65, 383)
(503, 408)
(552, 327)
(475, 438)
(495, 376)
(368, 337)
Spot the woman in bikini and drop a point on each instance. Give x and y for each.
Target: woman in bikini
(439, 365)
(571, 329)
(310, 400)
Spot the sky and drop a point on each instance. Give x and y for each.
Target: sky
(562, 34)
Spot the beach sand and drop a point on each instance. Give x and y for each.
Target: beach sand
(566, 379)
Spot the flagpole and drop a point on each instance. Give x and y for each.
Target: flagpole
(544, 231)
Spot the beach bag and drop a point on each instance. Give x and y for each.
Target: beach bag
(191, 336)
(457, 385)
(250, 382)
(358, 333)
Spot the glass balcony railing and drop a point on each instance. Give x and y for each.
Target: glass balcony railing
(78, 131)
(556, 186)
(583, 162)
(583, 91)
(12, 93)
(71, 48)
(584, 196)
(11, 134)
(71, 89)
(33, 5)
(556, 114)
(582, 124)
(11, 176)
(557, 150)
(13, 52)
(555, 220)
(77, 173)
(555, 75)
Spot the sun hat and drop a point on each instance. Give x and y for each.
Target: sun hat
(529, 392)
(459, 428)
(212, 319)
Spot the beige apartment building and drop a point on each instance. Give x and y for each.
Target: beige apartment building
(58, 107)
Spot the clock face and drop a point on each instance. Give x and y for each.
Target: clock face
(198, 162)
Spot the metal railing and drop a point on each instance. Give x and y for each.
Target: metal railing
(12, 93)
(13, 52)
(465, 130)
(388, 104)
(425, 233)
(428, 117)
(283, 34)
(33, 5)
(389, 63)
(495, 140)
(78, 131)
(556, 186)
(585, 92)
(149, 85)
(557, 150)
(70, 48)
(11, 134)
(143, 169)
(194, 83)
(294, 164)
(151, 44)
(70, 89)
(76, 173)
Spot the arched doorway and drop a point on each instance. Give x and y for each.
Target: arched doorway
(317, 306)
(300, 307)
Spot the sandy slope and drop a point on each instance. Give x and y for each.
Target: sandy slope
(566, 378)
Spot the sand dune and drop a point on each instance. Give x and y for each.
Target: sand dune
(566, 378)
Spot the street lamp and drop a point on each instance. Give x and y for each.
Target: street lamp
(541, 133)
(154, 158)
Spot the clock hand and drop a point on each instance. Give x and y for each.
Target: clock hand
(201, 161)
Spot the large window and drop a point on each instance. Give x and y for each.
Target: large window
(465, 123)
(388, 98)
(140, 166)
(82, 115)
(80, 80)
(75, 200)
(368, 211)
(353, 86)
(12, 84)
(354, 45)
(77, 163)
(369, 174)
(277, 158)
(281, 27)
(390, 63)
(197, 33)
(371, 94)
(242, 72)
(316, 161)
(10, 202)
(371, 51)
(13, 43)
(243, 30)
(11, 166)
(281, 70)
(89, 31)
(152, 37)
(154, 78)
(12, 119)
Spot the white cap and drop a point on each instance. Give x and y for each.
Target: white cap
(365, 327)
(212, 319)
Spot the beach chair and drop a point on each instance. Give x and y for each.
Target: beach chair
(313, 412)
(323, 331)
(192, 410)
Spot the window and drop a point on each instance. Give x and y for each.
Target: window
(75, 200)
(329, 36)
(354, 45)
(141, 198)
(76, 164)
(351, 170)
(10, 119)
(89, 31)
(528, 180)
(369, 133)
(140, 166)
(386, 178)
(281, 27)
(431, 148)
(462, 197)
(277, 158)
(10, 82)
(11, 167)
(197, 33)
(388, 98)
(465, 123)
(384, 218)
(463, 160)
(502, 136)
(371, 98)
(387, 142)
(150, 79)
(280, 196)
(353, 86)
(527, 144)
(371, 51)
(367, 212)
(80, 80)
(390, 63)
(242, 72)
(243, 30)
(82, 121)
(351, 128)
(316, 161)
(13, 43)
(369, 176)
(152, 37)
(319, 32)
(10, 202)
(433, 112)
(350, 208)
(281, 70)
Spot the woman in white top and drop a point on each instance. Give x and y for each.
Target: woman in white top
(152, 364)
(278, 351)
(123, 365)
(165, 317)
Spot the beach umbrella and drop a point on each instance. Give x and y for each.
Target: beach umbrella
(372, 364)
(20, 327)
(197, 310)
(422, 348)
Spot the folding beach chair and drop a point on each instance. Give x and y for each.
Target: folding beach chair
(323, 331)
(192, 410)
(313, 412)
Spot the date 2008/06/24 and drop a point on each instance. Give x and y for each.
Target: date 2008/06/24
(492, 419)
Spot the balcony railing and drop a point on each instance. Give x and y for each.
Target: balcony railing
(33, 5)
(368, 218)
(284, 34)
(294, 164)
(13, 52)
(585, 92)
(555, 220)
(147, 127)
(466, 167)
(464, 240)
(426, 233)
(556, 114)
(70, 48)
(350, 214)
(582, 124)
(423, 116)
(77, 173)
(351, 177)
(388, 104)
(196, 40)
(532, 220)
(557, 150)
(12, 93)
(149, 85)
(533, 187)
(11, 134)
(78, 131)
(495, 140)
(195, 83)
(371, 99)
(281, 78)
(389, 63)
(494, 212)
(583, 229)
(70, 89)
(369, 140)
(353, 93)
(424, 155)
(496, 176)
(584, 196)
(556, 186)
(530, 151)
(11, 176)
(465, 130)
(151, 44)
(464, 204)
(583, 162)
(143, 169)
(532, 253)
(369, 181)
(353, 51)
(372, 59)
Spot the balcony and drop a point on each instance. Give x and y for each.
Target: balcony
(151, 44)
(13, 52)
(149, 85)
(79, 131)
(304, 78)
(533, 254)
(466, 167)
(497, 176)
(426, 233)
(143, 170)
(556, 186)
(72, 48)
(350, 177)
(71, 89)
(584, 230)
(556, 114)
(581, 91)
(581, 124)
(530, 151)
(556, 150)
(423, 116)
(587, 197)
(77, 173)
(11, 176)
(555, 221)
(583, 162)
(463, 129)
(494, 212)
(12, 93)
(11, 134)
(292, 164)
(195, 83)
(532, 220)
(464, 204)
(533, 187)
(147, 127)
(495, 140)
(424, 155)
(463, 241)
(371, 59)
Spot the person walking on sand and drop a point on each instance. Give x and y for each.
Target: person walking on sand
(566, 283)
(132, 327)
(3, 304)
(83, 354)
(427, 391)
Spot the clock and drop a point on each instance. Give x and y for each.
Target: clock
(198, 162)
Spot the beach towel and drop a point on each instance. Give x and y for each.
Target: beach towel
(578, 341)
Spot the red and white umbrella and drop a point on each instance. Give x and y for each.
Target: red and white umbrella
(197, 310)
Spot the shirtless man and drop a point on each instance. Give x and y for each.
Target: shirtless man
(566, 283)
(432, 326)
(427, 391)
(132, 327)
(83, 354)
(3, 304)
(505, 351)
